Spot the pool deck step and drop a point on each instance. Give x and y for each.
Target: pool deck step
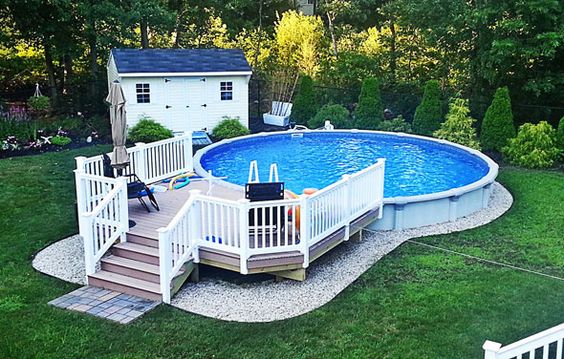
(125, 284)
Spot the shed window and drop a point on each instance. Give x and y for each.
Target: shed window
(143, 93)
(226, 89)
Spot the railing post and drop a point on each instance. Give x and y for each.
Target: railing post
(86, 227)
(80, 186)
(304, 229)
(491, 349)
(347, 208)
(194, 223)
(141, 161)
(165, 263)
(243, 234)
(381, 175)
(124, 210)
(188, 154)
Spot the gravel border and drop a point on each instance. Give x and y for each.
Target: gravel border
(270, 300)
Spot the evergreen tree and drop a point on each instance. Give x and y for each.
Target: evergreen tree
(304, 106)
(497, 127)
(369, 112)
(428, 115)
(458, 127)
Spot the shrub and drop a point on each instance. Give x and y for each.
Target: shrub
(428, 114)
(304, 106)
(560, 135)
(497, 126)
(38, 103)
(229, 128)
(337, 114)
(60, 140)
(147, 130)
(534, 146)
(369, 112)
(398, 124)
(459, 126)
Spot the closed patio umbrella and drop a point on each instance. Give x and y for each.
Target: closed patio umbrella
(116, 99)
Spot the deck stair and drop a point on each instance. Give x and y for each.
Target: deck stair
(132, 267)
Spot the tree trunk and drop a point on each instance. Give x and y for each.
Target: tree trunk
(92, 44)
(144, 34)
(393, 51)
(332, 31)
(52, 82)
(69, 74)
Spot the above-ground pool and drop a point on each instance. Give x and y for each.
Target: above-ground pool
(420, 172)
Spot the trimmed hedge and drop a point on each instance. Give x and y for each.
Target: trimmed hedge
(304, 106)
(534, 146)
(147, 130)
(498, 127)
(337, 114)
(229, 128)
(428, 115)
(369, 112)
(459, 126)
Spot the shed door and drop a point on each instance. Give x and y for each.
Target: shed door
(185, 97)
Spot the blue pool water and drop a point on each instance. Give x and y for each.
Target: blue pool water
(413, 166)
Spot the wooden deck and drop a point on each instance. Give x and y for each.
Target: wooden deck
(170, 202)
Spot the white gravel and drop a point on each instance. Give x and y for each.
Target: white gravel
(63, 259)
(269, 300)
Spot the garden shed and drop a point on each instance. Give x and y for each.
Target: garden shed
(183, 89)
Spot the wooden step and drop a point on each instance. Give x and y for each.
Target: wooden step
(131, 268)
(145, 241)
(124, 284)
(136, 252)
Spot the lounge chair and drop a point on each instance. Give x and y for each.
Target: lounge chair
(135, 187)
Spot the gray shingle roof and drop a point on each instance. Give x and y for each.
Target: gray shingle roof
(179, 60)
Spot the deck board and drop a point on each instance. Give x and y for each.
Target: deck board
(170, 202)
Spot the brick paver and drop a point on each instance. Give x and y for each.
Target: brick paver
(104, 303)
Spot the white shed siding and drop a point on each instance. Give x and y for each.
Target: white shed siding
(112, 71)
(185, 97)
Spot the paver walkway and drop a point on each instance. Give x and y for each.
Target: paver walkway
(104, 303)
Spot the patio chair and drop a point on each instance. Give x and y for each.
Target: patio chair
(135, 187)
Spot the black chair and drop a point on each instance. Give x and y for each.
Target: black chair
(135, 187)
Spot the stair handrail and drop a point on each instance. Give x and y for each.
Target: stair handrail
(110, 215)
(544, 339)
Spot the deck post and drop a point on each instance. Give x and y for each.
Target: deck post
(124, 210)
(80, 187)
(165, 263)
(381, 187)
(304, 229)
(243, 234)
(347, 207)
(188, 154)
(491, 349)
(195, 223)
(86, 227)
(140, 161)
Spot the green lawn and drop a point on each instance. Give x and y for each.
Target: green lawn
(414, 303)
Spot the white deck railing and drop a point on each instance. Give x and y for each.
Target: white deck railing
(102, 201)
(252, 228)
(103, 215)
(549, 342)
(152, 162)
